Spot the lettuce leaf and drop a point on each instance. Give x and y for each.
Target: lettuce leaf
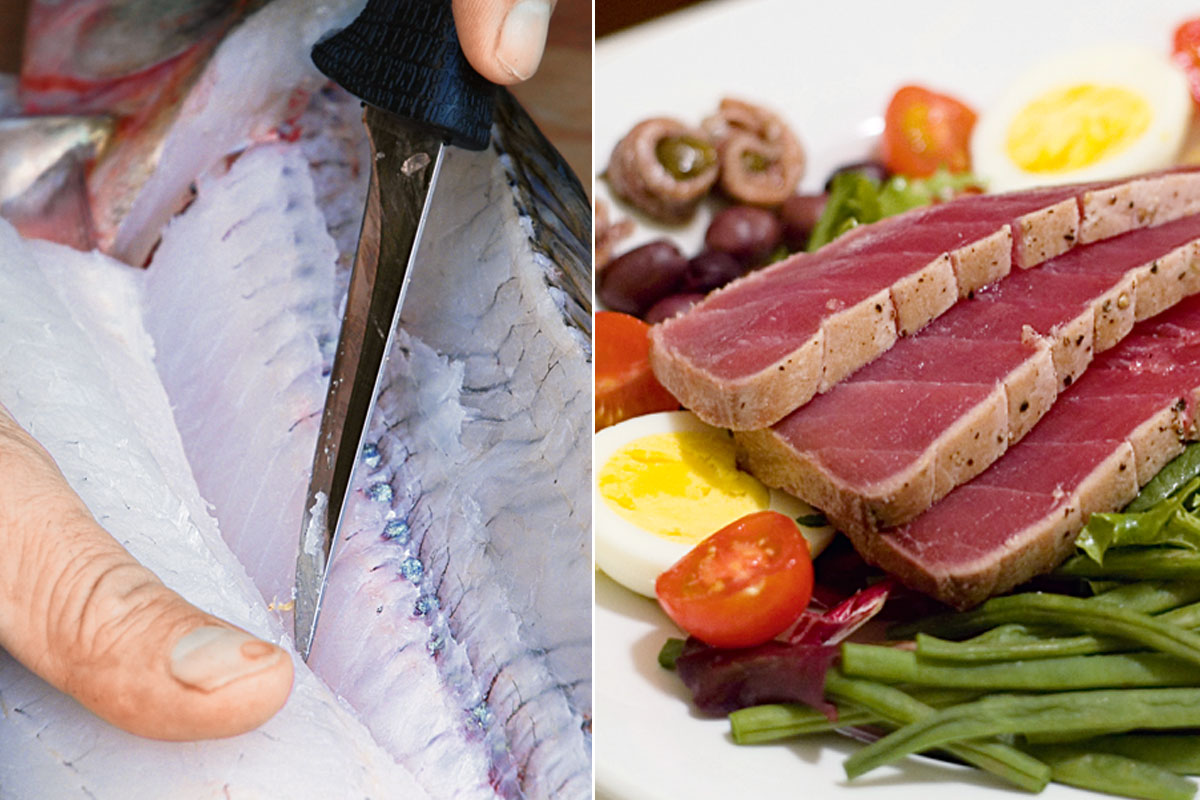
(1172, 522)
(856, 198)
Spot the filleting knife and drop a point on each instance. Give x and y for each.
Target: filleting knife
(403, 59)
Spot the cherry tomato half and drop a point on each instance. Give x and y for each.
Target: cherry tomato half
(625, 385)
(1185, 50)
(743, 585)
(924, 130)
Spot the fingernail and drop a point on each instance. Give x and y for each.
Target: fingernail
(523, 37)
(210, 657)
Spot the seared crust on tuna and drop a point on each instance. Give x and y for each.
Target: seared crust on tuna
(878, 449)
(766, 344)
(1109, 434)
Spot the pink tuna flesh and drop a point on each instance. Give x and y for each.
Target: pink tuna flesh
(1019, 518)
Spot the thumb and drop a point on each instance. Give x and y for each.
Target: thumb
(503, 39)
(79, 611)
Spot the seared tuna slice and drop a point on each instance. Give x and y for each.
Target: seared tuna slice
(889, 441)
(766, 344)
(1108, 435)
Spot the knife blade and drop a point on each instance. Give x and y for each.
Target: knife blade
(402, 58)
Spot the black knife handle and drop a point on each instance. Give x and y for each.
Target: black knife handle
(404, 56)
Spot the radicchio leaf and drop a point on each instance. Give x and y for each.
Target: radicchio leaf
(776, 672)
(833, 626)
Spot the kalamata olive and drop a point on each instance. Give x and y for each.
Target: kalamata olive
(872, 169)
(745, 232)
(710, 270)
(685, 156)
(799, 215)
(671, 305)
(634, 281)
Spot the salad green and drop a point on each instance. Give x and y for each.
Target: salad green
(856, 198)
(1036, 686)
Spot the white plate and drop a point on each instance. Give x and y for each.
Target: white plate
(829, 68)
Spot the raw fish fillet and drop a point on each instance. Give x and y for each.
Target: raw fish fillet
(462, 637)
(483, 442)
(253, 264)
(82, 383)
(214, 104)
(457, 616)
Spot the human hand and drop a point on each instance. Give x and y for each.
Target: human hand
(503, 39)
(79, 611)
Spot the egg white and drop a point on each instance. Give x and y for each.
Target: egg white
(635, 557)
(1146, 73)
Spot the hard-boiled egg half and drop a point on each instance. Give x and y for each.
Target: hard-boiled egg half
(1094, 114)
(665, 482)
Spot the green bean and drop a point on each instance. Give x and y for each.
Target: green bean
(1114, 774)
(1010, 632)
(899, 708)
(1012, 646)
(1169, 563)
(669, 653)
(1156, 633)
(890, 665)
(1097, 711)
(1169, 479)
(1148, 597)
(1183, 617)
(1177, 752)
(1013, 641)
(954, 625)
(766, 723)
(971, 651)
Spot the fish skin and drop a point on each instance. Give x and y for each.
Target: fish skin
(110, 439)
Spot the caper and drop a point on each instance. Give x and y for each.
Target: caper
(685, 156)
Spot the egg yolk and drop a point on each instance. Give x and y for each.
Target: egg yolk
(680, 485)
(1074, 127)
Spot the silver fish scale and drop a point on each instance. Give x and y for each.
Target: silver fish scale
(550, 196)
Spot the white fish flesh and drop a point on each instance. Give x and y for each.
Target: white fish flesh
(477, 517)
(252, 262)
(457, 616)
(82, 383)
